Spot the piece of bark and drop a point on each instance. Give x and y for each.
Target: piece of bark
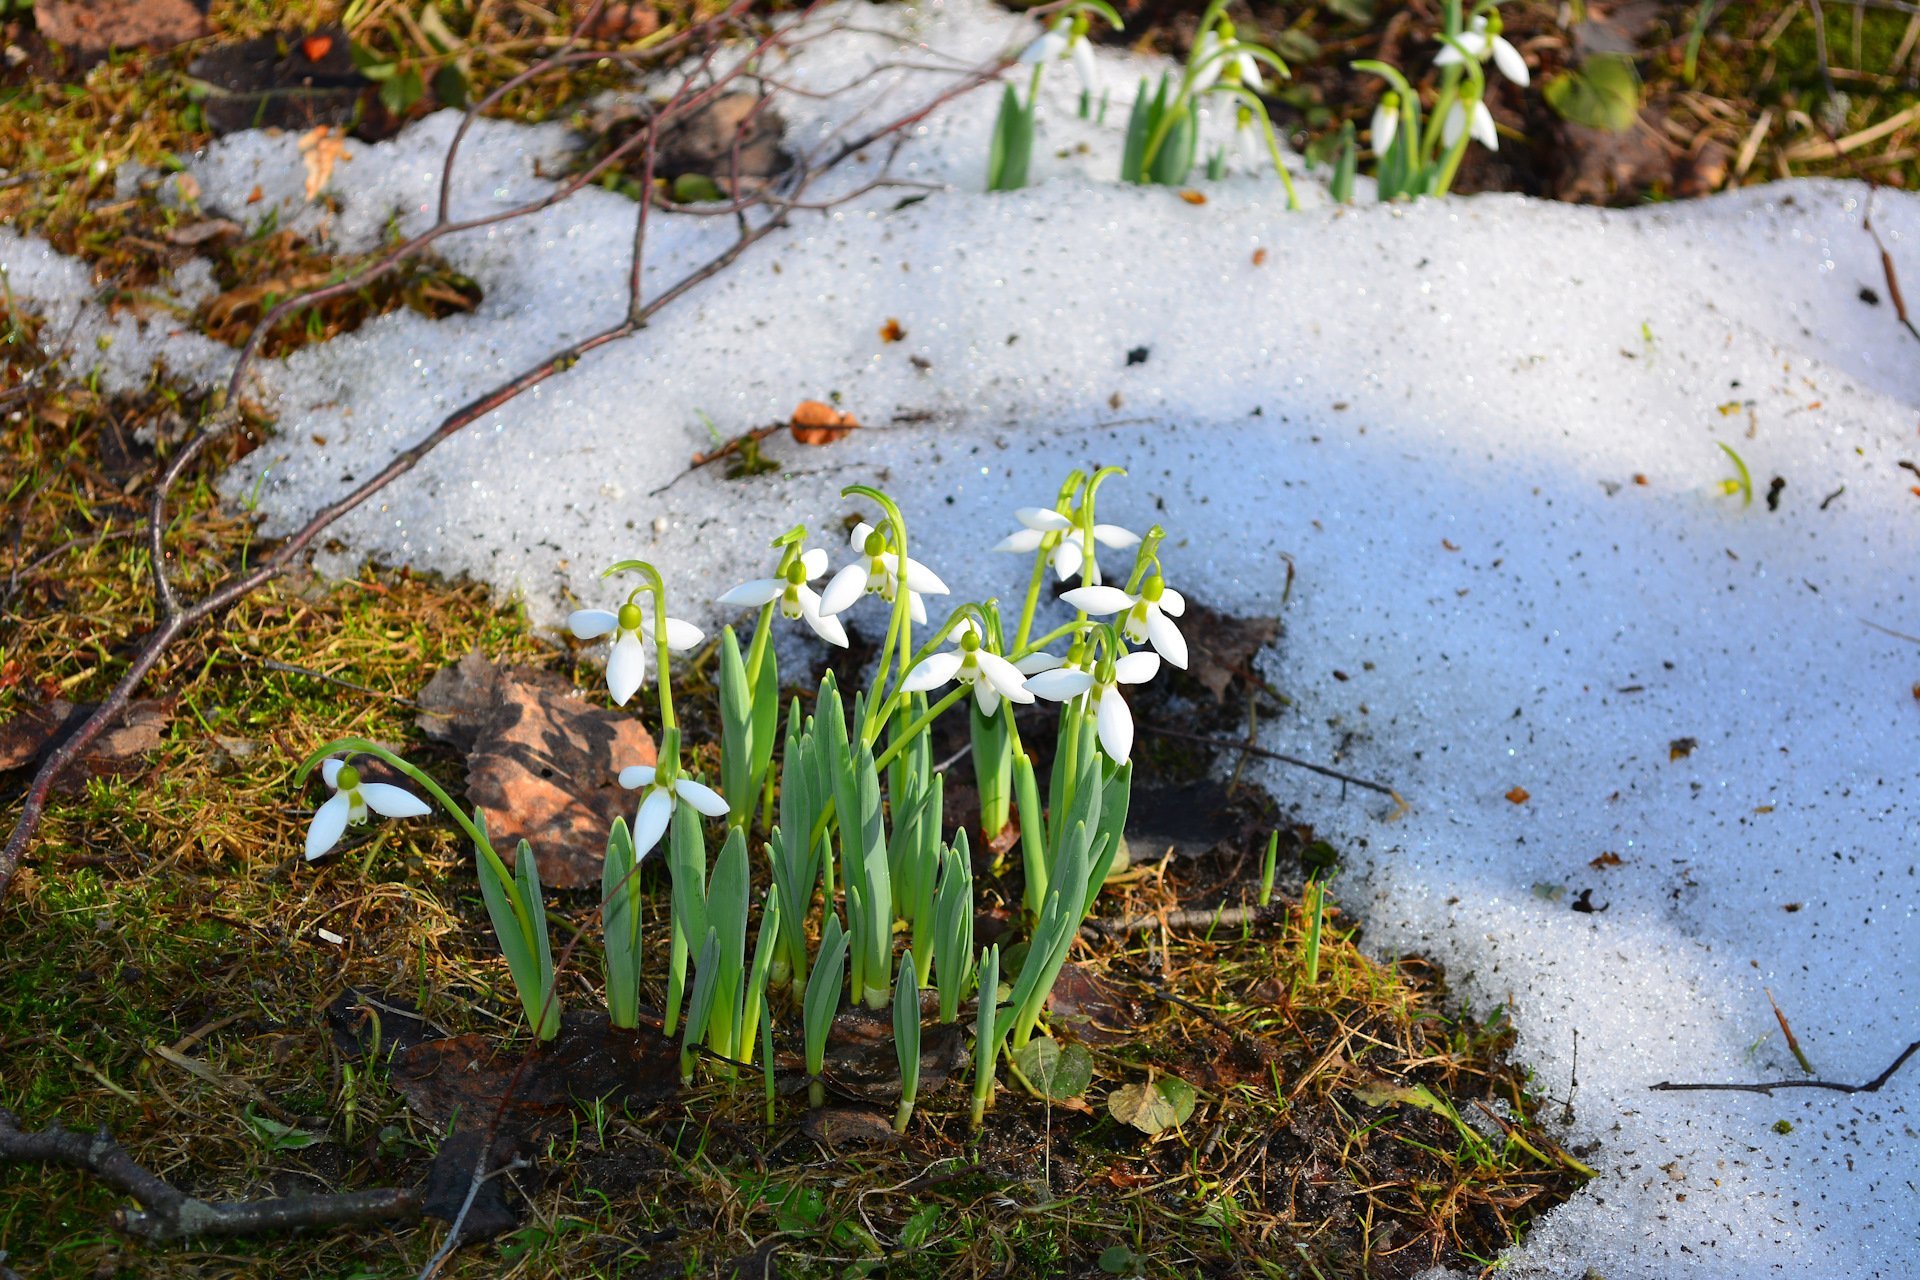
(543, 761)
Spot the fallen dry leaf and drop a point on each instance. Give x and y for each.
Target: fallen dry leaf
(1221, 647)
(118, 752)
(1093, 1011)
(1193, 197)
(841, 1128)
(542, 761)
(891, 331)
(1259, 257)
(1607, 859)
(1519, 795)
(316, 47)
(861, 1061)
(816, 423)
(321, 147)
(1681, 748)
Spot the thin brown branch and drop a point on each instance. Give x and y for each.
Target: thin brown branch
(168, 1213)
(1767, 1087)
(1188, 918)
(1229, 744)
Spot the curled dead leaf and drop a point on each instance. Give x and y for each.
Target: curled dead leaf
(816, 423)
(1519, 795)
(891, 331)
(321, 147)
(1193, 197)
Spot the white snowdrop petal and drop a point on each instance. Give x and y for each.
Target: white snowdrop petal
(1042, 519)
(1482, 127)
(1098, 600)
(1035, 663)
(751, 595)
(1454, 126)
(986, 696)
(1113, 722)
(1112, 535)
(1166, 637)
(1386, 124)
(626, 668)
(1085, 65)
(591, 624)
(1004, 676)
(1172, 603)
(1137, 667)
(1508, 59)
(932, 672)
(1060, 684)
(682, 636)
(330, 771)
(650, 823)
(328, 825)
(858, 538)
(1448, 56)
(392, 802)
(636, 776)
(924, 580)
(702, 797)
(843, 589)
(826, 626)
(814, 563)
(917, 608)
(1027, 540)
(1067, 558)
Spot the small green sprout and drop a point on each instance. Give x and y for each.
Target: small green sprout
(1741, 481)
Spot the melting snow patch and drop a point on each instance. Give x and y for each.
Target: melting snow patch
(1483, 429)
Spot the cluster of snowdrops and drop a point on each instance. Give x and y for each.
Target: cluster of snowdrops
(1417, 152)
(849, 826)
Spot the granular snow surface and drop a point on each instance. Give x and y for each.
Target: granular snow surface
(1484, 431)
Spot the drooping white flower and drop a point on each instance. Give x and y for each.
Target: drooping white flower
(991, 675)
(1253, 146)
(656, 807)
(1051, 44)
(1081, 52)
(1148, 617)
(876, 570)
(1386, 123)
(632, 633)
(1476, 120)
(1211, 67)
(1476, 42)
(350, 803)
(1070, 553)
(1112, 718)
(797, 599)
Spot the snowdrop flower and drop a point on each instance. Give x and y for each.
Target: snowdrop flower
(877, 570)
(627, 664)
(1253, 148)
(1051, 44)
(1148, 616)
(1070, 553)
(351, 800)
(656, 807)
(1112, 718)
(797, 599)
(1081, 51)
(1479, 123)
(1386, 123)
(1245, 65)
(1476, 40)
(991, 675)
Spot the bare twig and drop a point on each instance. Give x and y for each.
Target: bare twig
(167, 1213)
(176, 616)
(1188, 918)
(1228, 744)
(1767, 1087)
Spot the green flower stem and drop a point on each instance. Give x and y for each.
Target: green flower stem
(1032, 602)
(900, 623)
(881, 761)
(1252, 102)
(663, 659)
(1147, 556)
